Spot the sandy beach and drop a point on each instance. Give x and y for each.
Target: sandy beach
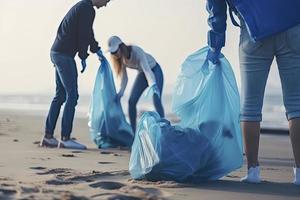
(30, 172)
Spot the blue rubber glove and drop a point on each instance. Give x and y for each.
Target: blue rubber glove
(83, 64)
(99, 54)
(213, 55)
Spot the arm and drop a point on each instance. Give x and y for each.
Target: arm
(146, 69)
(85, 31)
(217, 22)
(124, 81)
(94, 47)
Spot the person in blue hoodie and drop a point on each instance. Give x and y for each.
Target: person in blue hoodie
(269, 29)
(75, 34)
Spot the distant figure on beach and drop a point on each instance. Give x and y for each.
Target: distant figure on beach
(75, 34)
(149, 74)
(269, 29)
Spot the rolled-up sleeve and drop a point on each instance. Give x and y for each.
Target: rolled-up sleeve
(217, 22)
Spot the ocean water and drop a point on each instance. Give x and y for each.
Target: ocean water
(273, 110)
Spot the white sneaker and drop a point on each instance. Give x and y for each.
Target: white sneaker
(253, 175)
(49, 142)
(297, 176)
(71, 144)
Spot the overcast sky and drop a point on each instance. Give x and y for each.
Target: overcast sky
(170, 30)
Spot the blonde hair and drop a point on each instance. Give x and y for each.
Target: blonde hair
(117, 65)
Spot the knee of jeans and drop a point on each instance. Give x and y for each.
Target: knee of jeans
(72, 98)
(61, 98)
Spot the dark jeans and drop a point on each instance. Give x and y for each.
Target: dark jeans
(138, 88)
(66, 92)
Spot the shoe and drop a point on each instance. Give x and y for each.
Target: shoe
(70, 144)
(253, 175)
(49, 142)
(297, 176)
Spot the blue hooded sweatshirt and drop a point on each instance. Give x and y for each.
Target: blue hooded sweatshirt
(263, 18)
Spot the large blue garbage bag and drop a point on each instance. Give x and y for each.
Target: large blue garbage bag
(206, 144)
(107, 122)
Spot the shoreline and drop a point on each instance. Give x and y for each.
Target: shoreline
(84, 115)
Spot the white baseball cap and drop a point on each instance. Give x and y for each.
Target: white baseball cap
(114, 43)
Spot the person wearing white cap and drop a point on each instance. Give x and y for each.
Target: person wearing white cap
(149, 74)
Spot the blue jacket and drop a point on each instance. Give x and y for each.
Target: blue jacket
(75, 32)
(263, 18)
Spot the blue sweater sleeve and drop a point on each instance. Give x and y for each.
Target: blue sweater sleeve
(217, 22)
(85, 32)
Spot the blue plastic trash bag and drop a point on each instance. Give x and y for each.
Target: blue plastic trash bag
(107, 122)
(207, 143)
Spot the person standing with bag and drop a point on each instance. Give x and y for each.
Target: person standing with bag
(269, 29)
(75, 34)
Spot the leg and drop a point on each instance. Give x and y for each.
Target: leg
(160, 82)
(288, 59)
(255, 62)
(68, 74)
(56, 104)
(139, 86)
(294, 125)
(251, 132)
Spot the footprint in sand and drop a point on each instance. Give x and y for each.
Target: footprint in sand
(38, 168)
(133, 193)
(269, 169)
(160, 184)
(7, 191)
(37, 142)
(68, 155)
(144, 193)
(106, 163)
(3, 134)
(107, 185)
(56, 171)
(58, 182)
(115, 197)
(77, 151)
(110, 153)
(29, 189)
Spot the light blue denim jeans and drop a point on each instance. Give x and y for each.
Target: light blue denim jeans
(66, 92)
(255, 61)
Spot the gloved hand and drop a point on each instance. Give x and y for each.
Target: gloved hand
(213, 55)
(83, 64)
(99, 54)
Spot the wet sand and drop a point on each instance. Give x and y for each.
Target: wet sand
(30, 172)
